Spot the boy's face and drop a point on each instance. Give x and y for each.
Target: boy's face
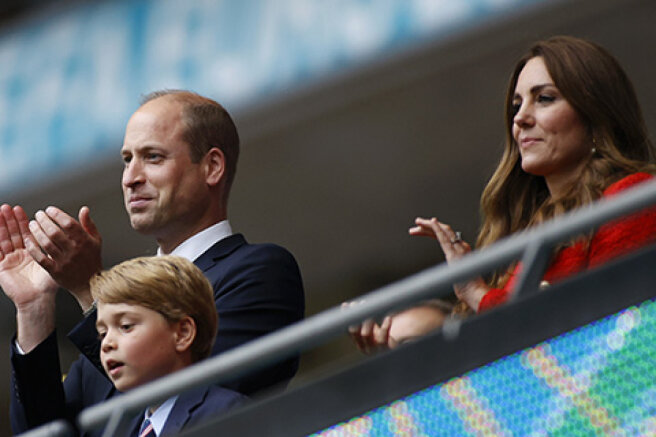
(138, 344)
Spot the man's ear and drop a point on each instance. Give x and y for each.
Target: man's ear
(185, 334)
(215, 166)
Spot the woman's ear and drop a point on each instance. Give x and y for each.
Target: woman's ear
(185, 334)
(214, 162)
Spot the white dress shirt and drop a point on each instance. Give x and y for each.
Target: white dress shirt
(160, 415)
(196, 245)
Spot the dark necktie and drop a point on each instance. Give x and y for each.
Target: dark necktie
(147, 429)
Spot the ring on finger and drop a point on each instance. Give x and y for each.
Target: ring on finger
(457, 238)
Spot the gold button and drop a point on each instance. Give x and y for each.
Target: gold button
(544, 284)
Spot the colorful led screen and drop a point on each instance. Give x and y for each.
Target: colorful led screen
(599, 379)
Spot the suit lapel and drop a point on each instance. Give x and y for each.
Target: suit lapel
(220, 250)
(135, 424)
(183, 411)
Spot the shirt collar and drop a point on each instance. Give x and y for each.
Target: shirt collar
(197, 244)
(161, 414)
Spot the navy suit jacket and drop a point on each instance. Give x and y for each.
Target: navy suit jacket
(257, 289)
(193, 408)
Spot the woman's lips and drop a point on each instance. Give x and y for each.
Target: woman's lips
(528, 141)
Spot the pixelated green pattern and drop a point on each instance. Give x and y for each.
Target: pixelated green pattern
(597, 380)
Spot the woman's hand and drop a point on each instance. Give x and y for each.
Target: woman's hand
(454, 248)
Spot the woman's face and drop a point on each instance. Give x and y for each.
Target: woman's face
(553, 141)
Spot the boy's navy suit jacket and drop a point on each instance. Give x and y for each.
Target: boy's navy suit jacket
(257, 289)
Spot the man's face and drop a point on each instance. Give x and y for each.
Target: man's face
(165, 193)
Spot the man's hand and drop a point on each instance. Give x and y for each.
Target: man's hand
(27, 284)
(70, 251)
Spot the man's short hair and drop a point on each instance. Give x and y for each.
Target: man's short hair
(169, 285)
(207, 125)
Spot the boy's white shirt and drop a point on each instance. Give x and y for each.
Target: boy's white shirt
(160, 415)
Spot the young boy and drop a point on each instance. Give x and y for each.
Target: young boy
(156, 315)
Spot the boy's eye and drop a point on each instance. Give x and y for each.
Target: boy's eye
(101, 335)
(126, 326)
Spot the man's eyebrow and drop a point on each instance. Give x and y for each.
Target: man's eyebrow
(144, 149)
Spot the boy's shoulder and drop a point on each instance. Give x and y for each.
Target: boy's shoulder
(197, 406)
(224, 396)
(212, 399)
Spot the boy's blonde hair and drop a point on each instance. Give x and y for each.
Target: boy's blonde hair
(169, 285)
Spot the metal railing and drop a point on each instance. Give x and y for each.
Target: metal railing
(57, 428)
(529, 246)
(369, 393)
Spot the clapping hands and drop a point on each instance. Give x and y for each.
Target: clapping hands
(24, 281)
(69, 250)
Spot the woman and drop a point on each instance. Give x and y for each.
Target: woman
(574, 133)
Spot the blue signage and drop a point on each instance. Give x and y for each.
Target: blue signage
(70, 80)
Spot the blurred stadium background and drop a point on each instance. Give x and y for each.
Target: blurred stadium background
(355, 117)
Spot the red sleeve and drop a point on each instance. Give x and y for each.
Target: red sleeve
(497, 296)
(626, 234)
(493, 298)
(612, 240)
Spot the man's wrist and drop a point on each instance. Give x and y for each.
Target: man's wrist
(18, 348)
(84, 298)
(35, 322)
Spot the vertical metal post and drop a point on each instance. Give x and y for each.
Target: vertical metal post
(534, 263)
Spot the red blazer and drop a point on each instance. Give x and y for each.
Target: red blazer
(610, 241)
